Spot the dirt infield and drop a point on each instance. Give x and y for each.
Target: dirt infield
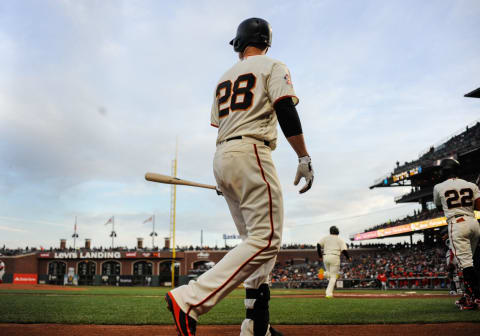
(407, 295)
(230, 330)
(39, 287)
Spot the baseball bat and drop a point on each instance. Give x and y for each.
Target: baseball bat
(154, 177)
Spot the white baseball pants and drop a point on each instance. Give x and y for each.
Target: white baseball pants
(464, 233)
(245, 174)
(332, 266)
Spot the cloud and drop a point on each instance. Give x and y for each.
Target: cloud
(10, 229)
(97, 95)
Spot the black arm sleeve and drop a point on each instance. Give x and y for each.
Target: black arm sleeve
(345, 253)
(288, 117)
(319, 251)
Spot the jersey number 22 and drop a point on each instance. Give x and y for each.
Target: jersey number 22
(455, 201)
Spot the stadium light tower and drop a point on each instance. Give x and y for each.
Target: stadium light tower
(75, 234)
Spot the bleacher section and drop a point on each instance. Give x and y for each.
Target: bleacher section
(421, 175)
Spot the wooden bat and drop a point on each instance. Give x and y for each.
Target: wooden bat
(154, 177)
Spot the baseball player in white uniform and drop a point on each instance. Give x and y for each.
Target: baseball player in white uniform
(248, 100)
(451, 263)
(452, 268)
(330, 248)
(458, 199)
(2, 270)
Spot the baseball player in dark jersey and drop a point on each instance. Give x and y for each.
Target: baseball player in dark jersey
(459, 199)
(248, 101)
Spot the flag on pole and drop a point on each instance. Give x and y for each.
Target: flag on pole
(148, 220)
(109, 221)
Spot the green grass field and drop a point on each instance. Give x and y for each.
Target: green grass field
(114, 305)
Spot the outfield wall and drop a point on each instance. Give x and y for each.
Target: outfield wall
(147, 268)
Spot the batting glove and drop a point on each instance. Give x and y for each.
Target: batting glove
(304, 170)
(219, 192)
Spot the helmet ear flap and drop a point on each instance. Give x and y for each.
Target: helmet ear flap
(236, 43)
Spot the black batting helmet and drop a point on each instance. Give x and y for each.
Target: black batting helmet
(334, 230)
(252, 31)
(450, 167)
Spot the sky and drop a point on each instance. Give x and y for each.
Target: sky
(93, 94)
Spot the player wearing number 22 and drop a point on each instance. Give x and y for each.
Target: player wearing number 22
(458, 199)
(248, 100)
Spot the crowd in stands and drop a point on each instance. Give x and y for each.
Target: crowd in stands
(415, 262)
(228, 247)
(12, 252)
(354, 245)
(297, 246)
(4, 251)
(412, 267)
(459, 143)
(416, 217)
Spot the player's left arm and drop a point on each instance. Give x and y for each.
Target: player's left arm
(319, 251)
(291, 126)
(283, 97)
(344, 251)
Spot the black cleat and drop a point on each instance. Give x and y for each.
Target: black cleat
(186, 326)
(466, 303)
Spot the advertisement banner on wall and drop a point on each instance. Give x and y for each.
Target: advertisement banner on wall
(399, 229)
(23, 278)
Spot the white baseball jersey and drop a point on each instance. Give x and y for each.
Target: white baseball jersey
(245, 173)
(332, 244)
(244, 99)
(456, 196)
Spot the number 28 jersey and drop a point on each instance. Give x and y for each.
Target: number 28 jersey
(456, 196)
(244, 99)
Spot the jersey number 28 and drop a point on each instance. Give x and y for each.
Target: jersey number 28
(239, 98)
(455, 201)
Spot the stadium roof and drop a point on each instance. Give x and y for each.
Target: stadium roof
(474, 94)
(458, 145)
